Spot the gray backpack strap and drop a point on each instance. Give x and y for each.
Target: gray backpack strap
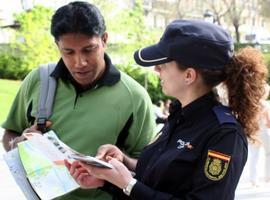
(47, 93)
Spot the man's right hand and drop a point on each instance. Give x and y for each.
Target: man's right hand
(12, 138)
(13, 143)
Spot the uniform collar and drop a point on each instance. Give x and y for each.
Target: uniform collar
(206, 101)
(110, 76)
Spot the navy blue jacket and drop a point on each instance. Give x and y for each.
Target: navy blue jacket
(199, 155)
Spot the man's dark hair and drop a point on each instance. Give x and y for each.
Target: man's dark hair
(77, 17)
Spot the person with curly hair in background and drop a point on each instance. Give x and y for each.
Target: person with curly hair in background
(203, 147)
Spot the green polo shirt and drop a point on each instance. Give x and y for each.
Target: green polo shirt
(114, 109)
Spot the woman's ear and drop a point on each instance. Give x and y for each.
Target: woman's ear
(190, 75)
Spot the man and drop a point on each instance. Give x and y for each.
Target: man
(94, 103)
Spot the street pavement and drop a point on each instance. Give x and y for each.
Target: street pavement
(9, 190)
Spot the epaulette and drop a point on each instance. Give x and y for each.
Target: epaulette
(224, 114)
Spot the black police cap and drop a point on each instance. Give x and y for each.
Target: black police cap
(193, 43)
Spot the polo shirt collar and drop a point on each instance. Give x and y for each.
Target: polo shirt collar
(110, 76)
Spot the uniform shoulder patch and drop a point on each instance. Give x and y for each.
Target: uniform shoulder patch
(224, 115)
(216, 165)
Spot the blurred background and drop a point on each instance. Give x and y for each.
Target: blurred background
(25, 43)
(25, 40)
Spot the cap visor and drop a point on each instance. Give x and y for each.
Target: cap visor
(150, 56)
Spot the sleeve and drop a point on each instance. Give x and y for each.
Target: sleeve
(141, 192)
(221, 166)
(18, 117)
(141, 131)
(217, 174)
(114, 191)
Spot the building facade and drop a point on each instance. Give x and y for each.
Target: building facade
(244, 15)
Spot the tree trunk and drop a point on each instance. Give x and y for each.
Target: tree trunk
(237, 33)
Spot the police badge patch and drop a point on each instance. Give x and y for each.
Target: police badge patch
(216, 165)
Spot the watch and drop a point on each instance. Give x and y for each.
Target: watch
(127, 190)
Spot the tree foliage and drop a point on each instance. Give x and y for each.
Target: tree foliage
(10, 67)
(127, 29)
(128, 33)
(235, 12)
(218, 8)
(33, 42)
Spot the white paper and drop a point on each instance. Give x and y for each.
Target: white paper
(14, 164)
(91, 161)
(44, 166)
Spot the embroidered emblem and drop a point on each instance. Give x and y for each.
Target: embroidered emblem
(216, 165)
(183, 144)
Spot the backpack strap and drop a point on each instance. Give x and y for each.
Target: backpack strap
(46, 96)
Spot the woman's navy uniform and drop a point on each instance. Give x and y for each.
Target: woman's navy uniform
(201, 149)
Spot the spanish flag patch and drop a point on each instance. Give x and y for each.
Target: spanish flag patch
(216, 165)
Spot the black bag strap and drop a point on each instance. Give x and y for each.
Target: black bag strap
(46, 96)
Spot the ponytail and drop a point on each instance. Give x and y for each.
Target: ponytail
(245, 80)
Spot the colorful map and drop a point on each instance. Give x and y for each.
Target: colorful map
(45, 169)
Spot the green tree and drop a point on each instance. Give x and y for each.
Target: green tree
(33, 41)
(34, 45)
(128, 32)
(127, 29)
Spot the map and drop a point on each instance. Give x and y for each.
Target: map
(44, 166)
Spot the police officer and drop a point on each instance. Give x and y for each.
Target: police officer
(202, 150)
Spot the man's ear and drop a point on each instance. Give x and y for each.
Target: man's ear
(56, 42)
(190, 75)
(104, 38)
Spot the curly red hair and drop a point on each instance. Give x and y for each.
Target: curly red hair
(245, 80)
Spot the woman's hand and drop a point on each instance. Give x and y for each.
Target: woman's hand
(82, 177)
(107, 151)
(119, 175)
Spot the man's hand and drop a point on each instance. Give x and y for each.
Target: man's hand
(34, 128)
(13, 143)
(12, 138)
